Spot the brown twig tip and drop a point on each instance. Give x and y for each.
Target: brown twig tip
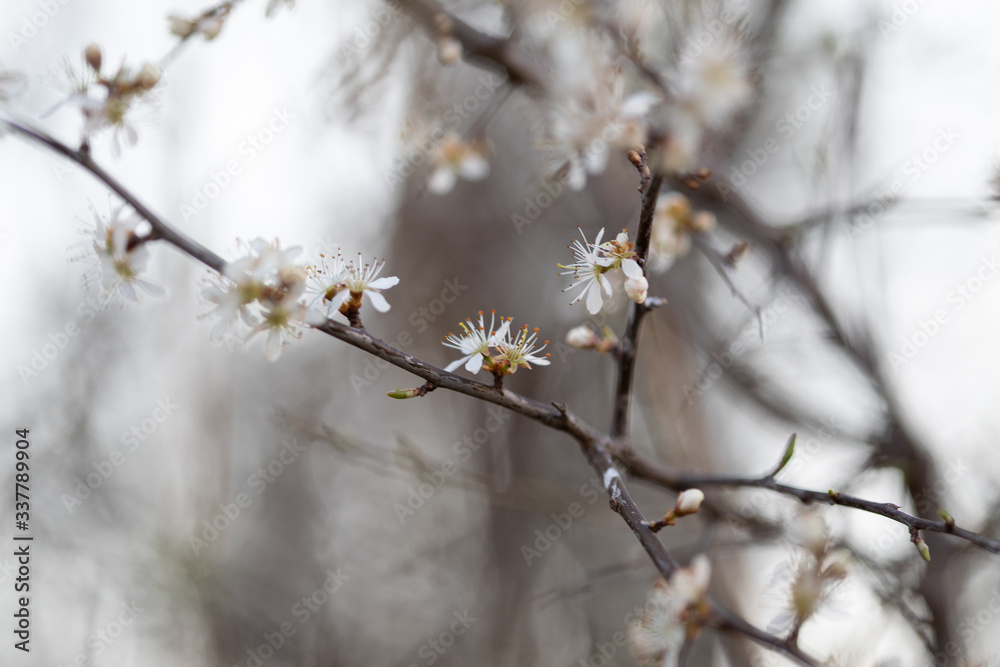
(736, 254)
(637, 157)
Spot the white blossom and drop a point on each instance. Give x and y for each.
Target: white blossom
(454, 158)
(519, 350)
(588, 270)
(672, 611)
(122, 260)
(344, 284)
(475, 342)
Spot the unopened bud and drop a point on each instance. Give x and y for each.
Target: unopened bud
(148, 76)
(703, 221)
(449, 51)
(404, 393)
(582, 338)
(92, 54)
(637, 288)
(689, 502)
(922, 548)
(211, 27)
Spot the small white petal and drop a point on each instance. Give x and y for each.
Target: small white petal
(594, 300)
(442, 181)
(605, 283)
(381, 305)
(474, 167)
(631, 268)
(383, 283)
(475, 363)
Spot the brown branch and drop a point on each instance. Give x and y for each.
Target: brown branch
(478, 48)
(628, 343)
(678, 481)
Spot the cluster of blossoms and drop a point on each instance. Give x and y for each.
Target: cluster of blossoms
(266, 291)
(595, 260)
(106, 99)
(497, 349)
(121, 256)
(673, 223)
(583, 129)
(675, 611)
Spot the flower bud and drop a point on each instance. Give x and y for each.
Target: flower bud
(211, 27)
(702, 221)
(582, 338)
(688, 502)
(148, 76)
(180, 26)
(449, 51)
(403, 394)
(636, 288)
(92, 54)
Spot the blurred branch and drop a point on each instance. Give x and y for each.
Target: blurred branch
(478, 48)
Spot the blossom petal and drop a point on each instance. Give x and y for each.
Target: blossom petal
(475, 363)
(442, 181)
(605, 283)
(381, 305)
(455, 364)
(474, 167)
(594, 300)
(383, 283)
(631, 268)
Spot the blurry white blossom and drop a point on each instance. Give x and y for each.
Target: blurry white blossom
(454, 158)
(674, 611)
(262, 289)
(669, 238)
(711, 84)
(121, 258)
(108, 101)
(208, 26)
(586, 124)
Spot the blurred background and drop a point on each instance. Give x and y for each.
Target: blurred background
(195, 504)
